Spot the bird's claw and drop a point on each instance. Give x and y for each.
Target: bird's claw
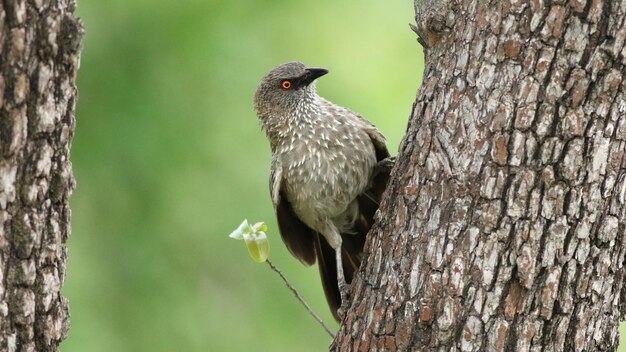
(345, 303)
(384, 166)
(341, 312)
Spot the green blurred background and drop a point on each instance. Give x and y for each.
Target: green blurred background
(169, 159)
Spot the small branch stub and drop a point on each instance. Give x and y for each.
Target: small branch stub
(432, 19)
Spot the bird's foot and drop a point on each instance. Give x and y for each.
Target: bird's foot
(384, 166)
(341, 284)
(345, 303)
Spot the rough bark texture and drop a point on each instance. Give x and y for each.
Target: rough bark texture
(504, 225)
(39, 56)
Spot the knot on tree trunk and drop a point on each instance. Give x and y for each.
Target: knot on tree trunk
(432, 19)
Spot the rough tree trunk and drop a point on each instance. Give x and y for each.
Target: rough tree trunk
(504, 226)
(39, 55)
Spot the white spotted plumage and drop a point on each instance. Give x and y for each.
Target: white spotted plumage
(323, 158)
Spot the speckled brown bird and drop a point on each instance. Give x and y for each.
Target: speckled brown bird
(325, 176)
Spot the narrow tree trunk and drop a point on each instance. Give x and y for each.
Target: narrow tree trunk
(39, 55)
(504, 225)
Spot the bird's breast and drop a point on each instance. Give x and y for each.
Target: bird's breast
(323, 173)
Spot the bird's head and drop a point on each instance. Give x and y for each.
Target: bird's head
(284, 88)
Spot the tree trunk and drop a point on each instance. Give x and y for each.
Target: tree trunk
(39, 56)
(503, 227)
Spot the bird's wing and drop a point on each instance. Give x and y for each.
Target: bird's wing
(295, 234)
(369, 200)
(378, 140)
(276, 178)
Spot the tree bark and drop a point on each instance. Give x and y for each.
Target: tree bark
(504, 225)
(39, 57)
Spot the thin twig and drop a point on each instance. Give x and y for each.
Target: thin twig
(295, 292)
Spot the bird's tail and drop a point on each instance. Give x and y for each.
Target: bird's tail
(351, 253)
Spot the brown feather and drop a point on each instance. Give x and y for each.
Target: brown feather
(328, 274)
(295, 234)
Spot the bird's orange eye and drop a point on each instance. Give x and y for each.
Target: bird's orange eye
(286, 84)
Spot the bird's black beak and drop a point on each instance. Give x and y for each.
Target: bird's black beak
(311, 74)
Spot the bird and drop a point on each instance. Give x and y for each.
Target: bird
(329, 169)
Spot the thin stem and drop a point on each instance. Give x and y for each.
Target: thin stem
(295, 292)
